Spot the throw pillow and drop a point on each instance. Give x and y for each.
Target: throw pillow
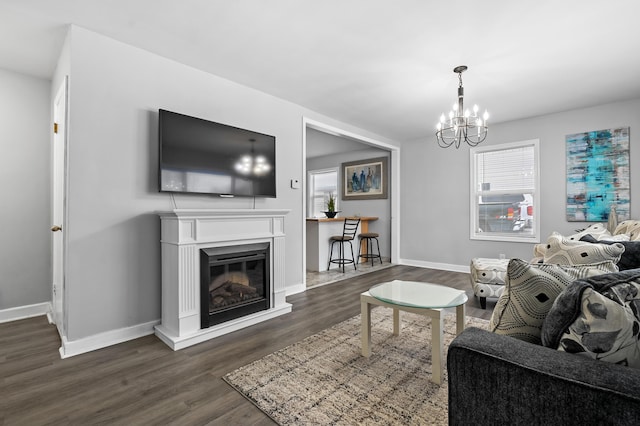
(614, 238)
(529, 294)
(564, 252)
(539, 250)
(598, 230)
(629, 227)
(630, 258)
(599, 318)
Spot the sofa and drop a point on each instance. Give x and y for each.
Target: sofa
(564, 340)
(499, 380)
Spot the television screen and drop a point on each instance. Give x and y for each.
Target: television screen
(204, 157)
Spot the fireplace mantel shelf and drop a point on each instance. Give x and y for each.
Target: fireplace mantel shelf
(205, 213)
(184, 232)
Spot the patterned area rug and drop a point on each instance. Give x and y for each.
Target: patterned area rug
(324, 379)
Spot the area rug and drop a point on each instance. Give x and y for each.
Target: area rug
(324, 379)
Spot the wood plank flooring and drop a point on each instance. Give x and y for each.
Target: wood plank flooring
(144, 382)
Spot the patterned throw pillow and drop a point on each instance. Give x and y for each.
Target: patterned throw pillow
(598, 318)
(614, 238)
(596, 230)
(629, 227)
(530, 292)
(562, 251)
(539, 250)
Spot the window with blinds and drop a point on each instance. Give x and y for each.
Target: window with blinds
(321, 183)
(505, 192)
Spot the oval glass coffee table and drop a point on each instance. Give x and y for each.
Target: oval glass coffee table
(416, 297)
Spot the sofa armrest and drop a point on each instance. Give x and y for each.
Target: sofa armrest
(496, 379)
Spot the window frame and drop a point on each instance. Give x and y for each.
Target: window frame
(475, 193)
(310, 187)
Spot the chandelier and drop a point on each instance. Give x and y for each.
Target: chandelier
(462, 125)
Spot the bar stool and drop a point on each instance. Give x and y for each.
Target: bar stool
(348, 234)
(368, 237)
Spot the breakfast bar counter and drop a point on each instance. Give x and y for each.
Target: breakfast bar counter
(319, 230)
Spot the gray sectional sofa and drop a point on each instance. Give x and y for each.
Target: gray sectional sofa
(500, 380)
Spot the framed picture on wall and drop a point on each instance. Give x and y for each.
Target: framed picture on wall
(365, 179)
(598, 175)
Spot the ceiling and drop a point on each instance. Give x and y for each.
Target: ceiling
(385, 66)
(320, 144)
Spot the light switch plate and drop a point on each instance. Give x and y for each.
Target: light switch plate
(295, 183)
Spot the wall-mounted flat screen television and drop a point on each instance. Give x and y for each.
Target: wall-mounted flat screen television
(204, 157)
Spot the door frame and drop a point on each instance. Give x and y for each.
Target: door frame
(59, 182)
(394, 185)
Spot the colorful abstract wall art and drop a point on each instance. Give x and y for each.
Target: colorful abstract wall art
(598, 175)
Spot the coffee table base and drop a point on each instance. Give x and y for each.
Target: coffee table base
(437, 351)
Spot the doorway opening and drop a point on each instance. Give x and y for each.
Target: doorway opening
(387, 223)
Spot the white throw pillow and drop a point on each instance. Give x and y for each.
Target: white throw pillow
(596, 230)
(629, 227)
(563, 251)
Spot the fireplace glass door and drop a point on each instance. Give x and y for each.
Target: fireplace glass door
(234, 282)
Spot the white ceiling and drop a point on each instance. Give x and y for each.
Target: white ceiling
(385, 66)
(320, 144)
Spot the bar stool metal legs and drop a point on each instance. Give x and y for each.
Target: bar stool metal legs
(368, 238)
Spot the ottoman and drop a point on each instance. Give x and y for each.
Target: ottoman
(488, 278)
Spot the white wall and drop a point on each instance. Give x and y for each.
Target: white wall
(435, 185)
(113, 270)
(25, 252)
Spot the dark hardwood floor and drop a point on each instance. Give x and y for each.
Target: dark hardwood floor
(144, 382)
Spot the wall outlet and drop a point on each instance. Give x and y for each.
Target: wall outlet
(501, 255)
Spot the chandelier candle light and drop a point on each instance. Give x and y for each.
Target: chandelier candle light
(462, 125)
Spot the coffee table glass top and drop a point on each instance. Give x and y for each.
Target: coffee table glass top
(418, 295)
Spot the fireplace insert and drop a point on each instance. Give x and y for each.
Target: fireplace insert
(234, 282)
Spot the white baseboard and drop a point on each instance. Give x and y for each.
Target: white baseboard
(102, 340)
(435, 265)
(22, 312)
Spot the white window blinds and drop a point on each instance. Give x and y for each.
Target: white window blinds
(506, 170)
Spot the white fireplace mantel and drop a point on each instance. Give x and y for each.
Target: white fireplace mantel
(183, 233)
